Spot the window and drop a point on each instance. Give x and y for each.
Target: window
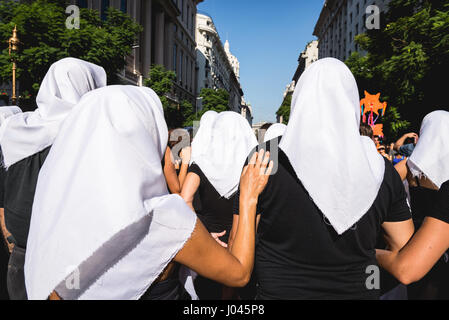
(175, 57)
(188, 17)
(124, 6)
(82, 3)
(181, 67)
(104, 9)
(182, 9)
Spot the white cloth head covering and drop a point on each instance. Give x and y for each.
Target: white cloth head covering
(431, 154)
(222, 156)
(103, 224)
(203, 136)
(338, 168)
(6, 112)
(67, 80)
(276, 130)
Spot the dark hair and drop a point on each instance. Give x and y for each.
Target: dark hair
(266, 126)
(366, 130)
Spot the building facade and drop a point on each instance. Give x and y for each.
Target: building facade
(216, 65)
(340, 21)
(306, 58)
(168, 39)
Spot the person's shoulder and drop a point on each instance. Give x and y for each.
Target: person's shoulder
(390, 170)
(172, 212)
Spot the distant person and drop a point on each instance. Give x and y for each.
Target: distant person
(367, 131)
(391, 152)
(406, 144)
(383, 152)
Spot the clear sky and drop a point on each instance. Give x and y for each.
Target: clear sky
(267, 37)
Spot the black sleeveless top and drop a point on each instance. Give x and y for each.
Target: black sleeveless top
(216, 211)
(298, 253)
(20, 185)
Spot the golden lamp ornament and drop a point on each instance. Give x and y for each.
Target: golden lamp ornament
(13, 47)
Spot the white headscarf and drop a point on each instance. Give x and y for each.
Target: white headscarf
(203, 135)
(223, 155)
(6, 112)
(102, 213)
(67, 80)
(431, 155)
(338, 168)
(275, 131)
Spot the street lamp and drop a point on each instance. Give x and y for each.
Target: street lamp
(13, 47)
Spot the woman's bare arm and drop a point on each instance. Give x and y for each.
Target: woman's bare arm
(185, 158)
(235, 224)
(402, 169)
(5, 232)
(397, 234)
(170, 173)
(201, 253)
(418, 257)
(191, 185)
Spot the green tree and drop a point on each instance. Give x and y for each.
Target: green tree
(215, 100)
(284, 110)
(407, 61)
(161, 81)
(45, 39)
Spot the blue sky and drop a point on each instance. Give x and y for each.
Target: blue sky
(267, 37)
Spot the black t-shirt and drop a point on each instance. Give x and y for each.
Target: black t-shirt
(216, 211)
(2, 185)
(440, 208)
(421, 199)
(20, 185)
(298, 253)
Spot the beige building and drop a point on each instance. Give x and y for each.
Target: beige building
(340, 21)
(217, 67)
(168, 39)
(306, 58)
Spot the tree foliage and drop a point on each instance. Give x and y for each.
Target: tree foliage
(407, 61)
(215, 100)
(176, 114)
(44, 39)
(284, 110)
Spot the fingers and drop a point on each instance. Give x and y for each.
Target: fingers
(220, 234)
(216, 236)
(244, 170)
(253, 159)
(264, 164)
(270, 168)
(221, 243)
(259, 158)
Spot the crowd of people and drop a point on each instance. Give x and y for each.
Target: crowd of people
(100, 200)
